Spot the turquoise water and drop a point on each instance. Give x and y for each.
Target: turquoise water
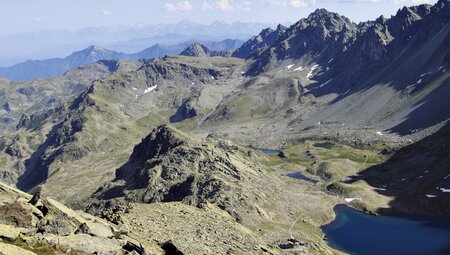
(358, 233)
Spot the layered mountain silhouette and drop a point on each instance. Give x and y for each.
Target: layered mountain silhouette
(54, 67)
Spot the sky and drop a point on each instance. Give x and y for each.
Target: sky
(18, 16)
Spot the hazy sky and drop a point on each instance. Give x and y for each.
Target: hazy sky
(32, 15)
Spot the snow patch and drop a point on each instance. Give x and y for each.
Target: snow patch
(134, 88)
(350, 199)
(309, 75)
(425, 74)
(289, 66)
(420, 177)
(345, 93)
(212, 77)
(440, 68)
(431, 196)
(379, 133)
(325, 83)
(419, 81)
(148, 90)
(445, 190)
(331, 60)
(298, 68)
(380, 189)
(446, 177)
(328, 68)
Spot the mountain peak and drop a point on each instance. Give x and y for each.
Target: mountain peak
(320, 15)
(196, 49)
(94, 48)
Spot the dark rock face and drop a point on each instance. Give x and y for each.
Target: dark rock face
(357, 50)
(6, 107)
(266, 38)
(28, 91)
(171, 249)
(415, 171)
(185, 111)
(323, 33)
(169, 166)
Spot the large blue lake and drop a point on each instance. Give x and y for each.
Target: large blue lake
(358, 233)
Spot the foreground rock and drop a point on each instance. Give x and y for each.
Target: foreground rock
(63, 230)
(191, 230)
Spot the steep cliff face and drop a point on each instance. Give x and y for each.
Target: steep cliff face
(323, 34)
(264, 39)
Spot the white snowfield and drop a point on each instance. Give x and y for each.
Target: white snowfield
(445, 190)
(148, 90)
(289, 66)
(311, 72)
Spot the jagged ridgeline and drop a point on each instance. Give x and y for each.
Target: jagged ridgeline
(166, 146)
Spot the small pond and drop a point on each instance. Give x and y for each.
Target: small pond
(300, 176)
(270, 151)
(358, 233)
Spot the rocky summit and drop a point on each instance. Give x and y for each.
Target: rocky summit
(230, 147)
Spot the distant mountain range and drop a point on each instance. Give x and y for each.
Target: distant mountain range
(33, 69)
(50, 43)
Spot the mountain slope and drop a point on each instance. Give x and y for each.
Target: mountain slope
(266, 38)
(33, 69)
(343, 78)
(422, 165)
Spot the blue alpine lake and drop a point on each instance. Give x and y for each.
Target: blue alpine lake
(358, 233)
(270, 151)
